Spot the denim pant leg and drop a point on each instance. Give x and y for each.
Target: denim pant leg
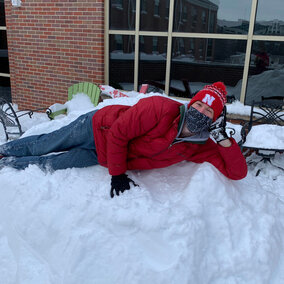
(78, 133)
(76, 157)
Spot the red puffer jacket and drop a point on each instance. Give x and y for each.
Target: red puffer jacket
(140, 137)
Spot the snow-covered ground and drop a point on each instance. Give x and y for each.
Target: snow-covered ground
(184, 224)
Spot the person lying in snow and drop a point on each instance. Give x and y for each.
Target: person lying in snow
(154, 133)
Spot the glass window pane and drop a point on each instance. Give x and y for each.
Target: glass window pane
(3, 39)
(2, 13)
(5, 88)
(204, 61)
(269, 18)
(266, 72)
(215, 16)
(122, 14)
(152, 60)
(121, 62)
(4, 63)
(154, 15)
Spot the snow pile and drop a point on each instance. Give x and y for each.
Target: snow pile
(267, 136)
(266, 84)
(236, 107)
(184, 224)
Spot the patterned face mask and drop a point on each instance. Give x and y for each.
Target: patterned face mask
(196, 121)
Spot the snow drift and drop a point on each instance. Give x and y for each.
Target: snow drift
(184, 224)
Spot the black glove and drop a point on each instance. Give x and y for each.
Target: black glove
(218, 128)
(120, 183)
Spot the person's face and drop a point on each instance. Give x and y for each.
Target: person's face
(204, 109)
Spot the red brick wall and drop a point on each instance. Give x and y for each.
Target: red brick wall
(52, 45)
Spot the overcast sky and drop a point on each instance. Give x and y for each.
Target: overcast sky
(234, 10)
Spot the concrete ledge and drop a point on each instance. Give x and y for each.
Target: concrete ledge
(237, 118)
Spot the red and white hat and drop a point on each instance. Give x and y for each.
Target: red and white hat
(214, 96)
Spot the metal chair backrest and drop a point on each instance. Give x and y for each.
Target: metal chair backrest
(267, 112)
(9, 120)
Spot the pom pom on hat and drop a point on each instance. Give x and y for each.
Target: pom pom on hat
(214, 96)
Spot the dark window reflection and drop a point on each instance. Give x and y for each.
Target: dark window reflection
(224, 16)
(122, 14)
(202, 61)
(121, 62)
(5, 89)
(152, 60)
(266, 72)
(4, 63)
(270, 18)
(3, 39)
(154, 15)
(2, 13)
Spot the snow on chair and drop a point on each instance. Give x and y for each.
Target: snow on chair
(264, 133)
(90, 89)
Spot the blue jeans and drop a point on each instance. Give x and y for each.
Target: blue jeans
(75, 142)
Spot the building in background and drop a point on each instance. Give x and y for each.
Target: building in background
(123, 43)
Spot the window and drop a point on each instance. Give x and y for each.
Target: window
(117, 4)
(184, 12)
(228, 53)
(194, 18)
(156, 18)
(204, 20)
(266, 72)
(152, 60)
(121, 62)
(142, 44)
(118, 41)
(2, 14)
(122, 14)
(212, 22)
(143, 6)
(269, 19)
(167, 8)
(157, 8)
(207, 61)
(5, 87)
(203, 17)
(155, 44)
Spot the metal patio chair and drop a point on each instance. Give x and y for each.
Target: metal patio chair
(9, 119)
(266, 112)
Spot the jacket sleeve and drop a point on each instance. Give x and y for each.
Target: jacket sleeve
(136, 121)
(228, 160)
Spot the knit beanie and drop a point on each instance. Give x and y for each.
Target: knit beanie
(214, 96)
